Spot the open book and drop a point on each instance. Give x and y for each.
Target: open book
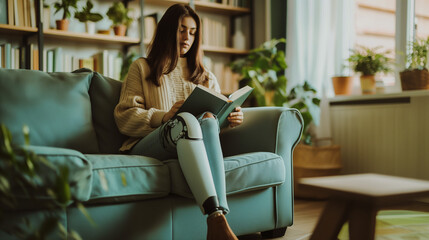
(203, 99)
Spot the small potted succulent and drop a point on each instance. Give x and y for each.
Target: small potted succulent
(416, 75)
(118, 13)
(369, 62)
(65, 6)
(88, 17)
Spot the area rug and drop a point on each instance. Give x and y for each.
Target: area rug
(397, 225)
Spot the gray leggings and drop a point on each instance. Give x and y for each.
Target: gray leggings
(157, 145)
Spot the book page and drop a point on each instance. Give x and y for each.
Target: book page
(213, 92)
(239, 93)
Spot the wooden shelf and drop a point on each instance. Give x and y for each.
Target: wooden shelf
(227, 50)
(211, 7)
(86, 37)
(6, 28)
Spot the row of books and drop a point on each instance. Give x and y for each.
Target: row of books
(227, 79)
(56, 60)
(18, 12)
(106, 63)
(234, 3)
(214, 32)
(13, 57)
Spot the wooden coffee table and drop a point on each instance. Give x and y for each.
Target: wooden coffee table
(356, 198)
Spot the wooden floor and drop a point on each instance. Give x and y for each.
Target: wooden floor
(306, 214)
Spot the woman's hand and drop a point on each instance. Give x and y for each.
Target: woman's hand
(172, 111)
(236, 117)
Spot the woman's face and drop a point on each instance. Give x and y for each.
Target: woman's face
(187, 31)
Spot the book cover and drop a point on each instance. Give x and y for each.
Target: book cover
(58, 59)
(50, 61)
(10, 13)
(1, 56)
(203, 99)
(3, 11)
(32, 14)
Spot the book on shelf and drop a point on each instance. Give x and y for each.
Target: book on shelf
(150, 23)
(86, 63)
(10, 11)
(203, 99)
(3, 11)
(6, 55)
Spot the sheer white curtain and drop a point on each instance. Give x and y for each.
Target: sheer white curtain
(319, 38)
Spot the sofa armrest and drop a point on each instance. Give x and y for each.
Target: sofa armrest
(265, 129)
(269, 129)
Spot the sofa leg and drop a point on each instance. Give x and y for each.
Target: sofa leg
(275, 233)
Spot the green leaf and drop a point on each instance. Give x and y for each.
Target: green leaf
(82, 209)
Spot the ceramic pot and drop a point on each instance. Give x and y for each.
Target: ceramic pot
(367, 84)
(90, 27)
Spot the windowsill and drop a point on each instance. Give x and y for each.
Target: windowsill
(377, 98)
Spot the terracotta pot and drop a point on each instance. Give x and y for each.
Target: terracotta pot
(343, 85)
(367, 84)
(120, 30)
(62, 24)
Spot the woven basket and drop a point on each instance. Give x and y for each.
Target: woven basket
(415, 79)
(314, 161)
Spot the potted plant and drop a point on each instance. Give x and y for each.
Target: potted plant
(87, 17)
(368, 62)
(264, 70)
(118, 13)
(66, 6)
(416, 75)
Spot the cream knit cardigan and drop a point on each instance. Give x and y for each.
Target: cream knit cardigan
(142, 105)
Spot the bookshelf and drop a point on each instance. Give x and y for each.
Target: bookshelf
(220, 18)
(44, 37)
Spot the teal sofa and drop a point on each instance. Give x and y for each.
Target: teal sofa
(70, 116)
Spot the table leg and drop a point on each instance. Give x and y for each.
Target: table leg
(330, 222)
(362, 222)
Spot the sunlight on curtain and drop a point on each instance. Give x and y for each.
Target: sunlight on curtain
(319, 38)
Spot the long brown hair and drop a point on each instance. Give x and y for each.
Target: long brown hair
(164, 51)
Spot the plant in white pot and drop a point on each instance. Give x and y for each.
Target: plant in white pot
(66, 6)
(118, 13)
(416, 75)
(88, 17)
(369, 62)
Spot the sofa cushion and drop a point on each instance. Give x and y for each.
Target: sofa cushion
(79, 175)
(55, 106)
(244, 172)
(104, 93)
(118, 178)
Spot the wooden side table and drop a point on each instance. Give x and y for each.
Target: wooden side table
(357, 198)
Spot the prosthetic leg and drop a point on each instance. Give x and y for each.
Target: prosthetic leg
(185, 132)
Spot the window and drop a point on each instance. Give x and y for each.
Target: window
(422, 19)
(375, 28)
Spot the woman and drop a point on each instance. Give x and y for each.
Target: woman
(151, 94)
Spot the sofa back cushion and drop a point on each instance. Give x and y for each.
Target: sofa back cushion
(104, 93)
(55, 106)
